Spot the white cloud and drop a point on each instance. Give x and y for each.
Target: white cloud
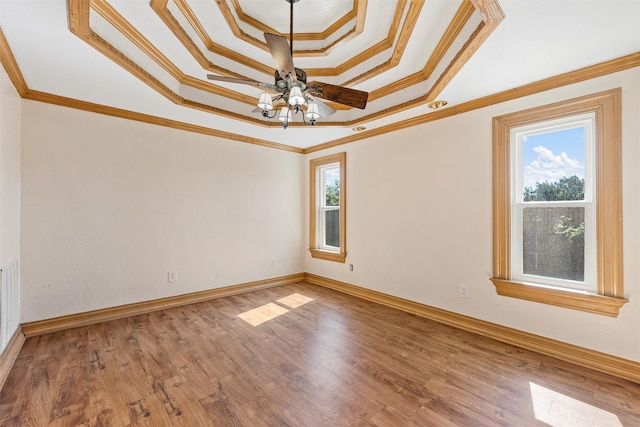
(550, 167)
(332, 175)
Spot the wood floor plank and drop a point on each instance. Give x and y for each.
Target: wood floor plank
(330, 360)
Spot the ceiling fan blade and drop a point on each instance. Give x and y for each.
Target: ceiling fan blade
(324, 109)
(243, 81)
(281, 53)
(340, 94)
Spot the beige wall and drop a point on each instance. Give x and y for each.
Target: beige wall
(420, 221)
(109, 206)
(9, 180)
(9, 171)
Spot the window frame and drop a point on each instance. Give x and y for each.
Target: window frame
(609, 295)
(324, 209)
(317, 249)
(517, 136)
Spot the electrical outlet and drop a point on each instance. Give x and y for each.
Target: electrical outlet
(272, 263)
(350, 267)
(464, 291)
(173, 276)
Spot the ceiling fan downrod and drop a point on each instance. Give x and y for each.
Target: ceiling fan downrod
(291, 2)
(291, 85)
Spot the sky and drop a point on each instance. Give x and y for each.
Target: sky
(331, 175)
(551, 156)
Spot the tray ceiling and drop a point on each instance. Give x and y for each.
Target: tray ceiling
(152, 57)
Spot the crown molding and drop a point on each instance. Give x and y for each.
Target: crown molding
(11, 66)
(587, 73)
(598, 70)
(154, 120)
(358, 12)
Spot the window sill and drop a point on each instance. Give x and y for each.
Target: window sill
(598, 304)
(329, 256)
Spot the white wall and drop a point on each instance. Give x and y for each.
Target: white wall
(419, 221)
(9, 189)
(109, 206)
(9, 171)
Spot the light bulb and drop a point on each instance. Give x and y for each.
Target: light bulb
(285, 117)
(265, 101)
(312, 112)
(295, 97)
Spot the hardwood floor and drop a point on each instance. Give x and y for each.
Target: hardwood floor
(335, 360)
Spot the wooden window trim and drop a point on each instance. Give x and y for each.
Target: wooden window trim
(341, 256)
(609, 276)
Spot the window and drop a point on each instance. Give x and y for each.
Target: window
(557, 211)
(552, 208)
(327, 207)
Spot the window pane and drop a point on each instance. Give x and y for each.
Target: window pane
(553, 242)
(331, 181)
(332, 228)
(327, 181)
(554, 165)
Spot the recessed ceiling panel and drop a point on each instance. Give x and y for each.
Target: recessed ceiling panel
(153, 57)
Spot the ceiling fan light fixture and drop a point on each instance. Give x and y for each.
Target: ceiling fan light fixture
(295, 97)
(265, 101)
(292, 88)
(312, 112)
(285, 117)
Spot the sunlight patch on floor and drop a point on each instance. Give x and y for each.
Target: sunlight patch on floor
(258, 316)
(294, 300)
(559, 410)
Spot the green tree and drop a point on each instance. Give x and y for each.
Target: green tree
(572, 244)
(567, 227)
(566, 188)
(332, 192)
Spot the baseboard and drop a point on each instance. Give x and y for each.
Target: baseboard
(602, 362)
(9, 356)
(46, 326)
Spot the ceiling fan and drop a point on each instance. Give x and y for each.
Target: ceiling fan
(291, 85)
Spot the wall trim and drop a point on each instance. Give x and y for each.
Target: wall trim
(9, 355)
(598, 361)
(590, 72)
(592, 359)
(10, 65)
(61, 323)
(47, 98)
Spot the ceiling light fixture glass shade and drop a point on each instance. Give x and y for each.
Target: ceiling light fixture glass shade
(295, 100)
(312, 112)
(285, 117)
(265, 101)
(295, 97)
